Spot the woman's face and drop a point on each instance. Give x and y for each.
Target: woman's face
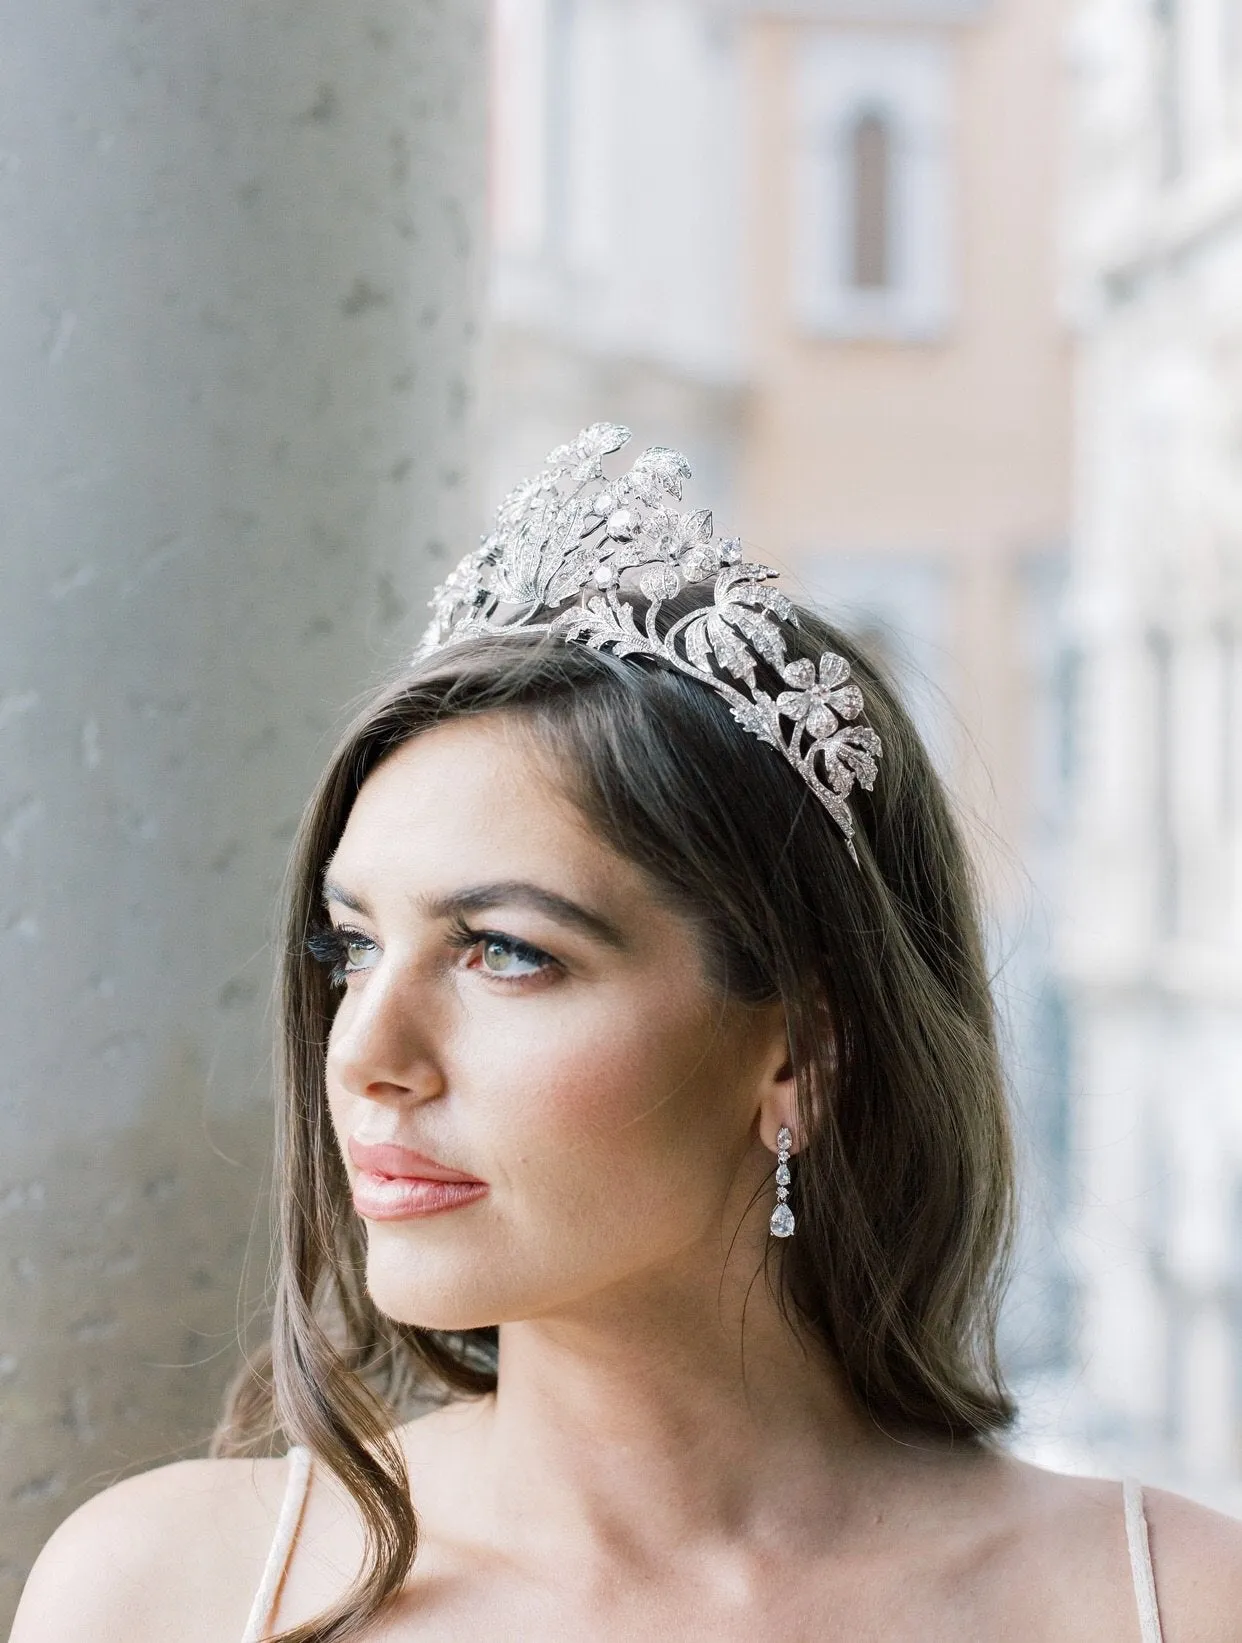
(523, 1010)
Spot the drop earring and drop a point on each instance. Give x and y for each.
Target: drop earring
(781, 1224)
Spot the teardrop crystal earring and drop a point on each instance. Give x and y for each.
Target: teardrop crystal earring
(781, 1224)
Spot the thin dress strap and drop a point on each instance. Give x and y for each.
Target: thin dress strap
(1140, 1562)
(297, 1485)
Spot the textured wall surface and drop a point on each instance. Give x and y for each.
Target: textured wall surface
(241, 255)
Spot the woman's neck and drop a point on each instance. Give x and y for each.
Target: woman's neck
(669, 1415)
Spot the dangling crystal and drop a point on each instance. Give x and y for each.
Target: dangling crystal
(781, 1223)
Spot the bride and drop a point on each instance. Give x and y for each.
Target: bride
(645, 1176)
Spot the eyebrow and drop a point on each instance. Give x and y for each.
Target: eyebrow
(334, 892)
(478, 898)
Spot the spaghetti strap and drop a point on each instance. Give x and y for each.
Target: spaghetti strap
(1140, 1562)
(297, 1486)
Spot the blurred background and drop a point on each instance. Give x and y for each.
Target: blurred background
(943, 301)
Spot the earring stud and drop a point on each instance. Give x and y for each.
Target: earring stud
(781, 1224)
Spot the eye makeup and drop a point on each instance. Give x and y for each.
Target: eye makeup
(505, 957)
(332, 946)
(501, 957)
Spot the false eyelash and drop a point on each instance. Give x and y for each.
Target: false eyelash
(327, 945)
(462, 937)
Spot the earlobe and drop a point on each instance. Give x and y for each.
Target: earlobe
(779, 1109)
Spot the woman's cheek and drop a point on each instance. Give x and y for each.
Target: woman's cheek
(607, 1123)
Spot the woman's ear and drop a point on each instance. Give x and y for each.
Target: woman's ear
(778, 1098)
(778, 1104)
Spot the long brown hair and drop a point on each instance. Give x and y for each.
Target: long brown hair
(905, 1180)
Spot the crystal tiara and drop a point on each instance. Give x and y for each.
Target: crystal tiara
(570, 544)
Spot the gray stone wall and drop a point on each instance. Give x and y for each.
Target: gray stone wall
(242, 258)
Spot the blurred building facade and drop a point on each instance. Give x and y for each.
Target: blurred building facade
(814, 245)
(1152, 950)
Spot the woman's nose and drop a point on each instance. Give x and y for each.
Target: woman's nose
(382, 1044)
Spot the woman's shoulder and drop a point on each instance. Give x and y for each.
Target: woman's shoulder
(1195, 1551)
(173, 1553)
(1197, 1557)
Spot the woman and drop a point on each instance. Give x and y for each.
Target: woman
(645, 1171)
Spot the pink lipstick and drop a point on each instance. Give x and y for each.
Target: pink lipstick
(395, 1183)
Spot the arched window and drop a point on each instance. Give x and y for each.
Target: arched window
(871, 167)
(872, 226)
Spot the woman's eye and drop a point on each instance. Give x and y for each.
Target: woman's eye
(503, 956)
(343, 953)
(358, 953)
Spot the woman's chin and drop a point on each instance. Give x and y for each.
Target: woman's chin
(421, 1300)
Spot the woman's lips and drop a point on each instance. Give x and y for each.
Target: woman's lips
(400, 1198)
(395, 1183)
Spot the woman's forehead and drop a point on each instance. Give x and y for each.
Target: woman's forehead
(474, 801)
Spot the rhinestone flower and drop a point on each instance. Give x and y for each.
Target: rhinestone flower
(821, 702)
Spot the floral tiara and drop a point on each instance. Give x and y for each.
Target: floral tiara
(567, 549)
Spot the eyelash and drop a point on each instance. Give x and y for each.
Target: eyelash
(330, 943)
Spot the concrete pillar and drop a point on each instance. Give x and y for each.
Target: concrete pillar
(241, 249)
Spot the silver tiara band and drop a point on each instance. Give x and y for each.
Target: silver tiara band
(569, 546)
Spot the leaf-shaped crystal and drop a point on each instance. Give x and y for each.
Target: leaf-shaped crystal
(729, 650)
(695, 529)
(751, 716)
(601, 622)
(698, 647)
(756, 593)
(659, 471)
(579, 568)
(762, 634)
(599, 440)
